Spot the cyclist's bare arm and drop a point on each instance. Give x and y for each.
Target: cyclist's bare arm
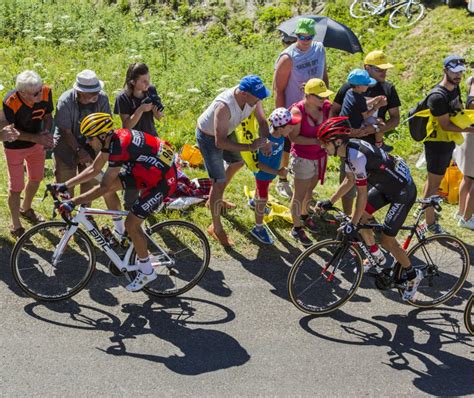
(361, 203)
(90, 171)
(344, 188)
(110, 183)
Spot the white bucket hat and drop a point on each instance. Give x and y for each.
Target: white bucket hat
(87, 82)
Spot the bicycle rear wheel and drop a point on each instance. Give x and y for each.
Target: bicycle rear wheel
(468, 315)
(32, 263)
(444, 260)
(311, 288)
(187, 247)
(406, 14)
(364, 8)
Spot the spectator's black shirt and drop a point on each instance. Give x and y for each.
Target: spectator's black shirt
(129, 104)
(445, 102)
(28, 118)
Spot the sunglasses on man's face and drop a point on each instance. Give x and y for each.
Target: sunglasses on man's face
(376, 69)
(305, 37)
(35, 94)
(456, 62)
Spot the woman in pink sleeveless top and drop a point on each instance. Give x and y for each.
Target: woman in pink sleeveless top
(308, 159)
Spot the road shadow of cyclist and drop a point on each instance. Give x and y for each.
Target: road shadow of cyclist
(417, 345)
(202, 350)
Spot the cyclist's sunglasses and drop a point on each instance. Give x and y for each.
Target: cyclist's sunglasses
(305, 37)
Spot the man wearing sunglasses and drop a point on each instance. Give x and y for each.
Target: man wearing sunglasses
(298, 63)
(72, 153)
(387, 103)
(439, 147)
(28, 109)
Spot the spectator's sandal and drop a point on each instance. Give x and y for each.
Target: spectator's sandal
(31, 216)
(16, 233)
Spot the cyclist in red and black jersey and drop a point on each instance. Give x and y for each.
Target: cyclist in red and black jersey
(391, 184)
(135, 159)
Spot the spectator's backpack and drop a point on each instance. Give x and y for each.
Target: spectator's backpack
(417, 124)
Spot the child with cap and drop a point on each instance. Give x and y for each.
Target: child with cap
(281, 122)
(360, 109)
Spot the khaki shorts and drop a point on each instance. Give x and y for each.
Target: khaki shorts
(304, 169)
(63, 172)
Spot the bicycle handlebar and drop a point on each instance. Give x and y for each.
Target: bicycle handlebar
(57, 202)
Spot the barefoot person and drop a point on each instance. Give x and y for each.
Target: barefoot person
(214, 126)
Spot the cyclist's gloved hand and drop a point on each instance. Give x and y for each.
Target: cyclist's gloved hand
(61, 189)
(66, 207)
(348, 229)
(324, 204)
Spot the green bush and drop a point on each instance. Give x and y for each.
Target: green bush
(271, 16)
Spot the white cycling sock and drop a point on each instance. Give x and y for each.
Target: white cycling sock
(144, 264)
(119, 224)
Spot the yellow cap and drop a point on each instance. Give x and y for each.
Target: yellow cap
(317, 87)
(378, 59)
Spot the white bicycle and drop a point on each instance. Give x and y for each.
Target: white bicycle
(403, 12)
(55, 260)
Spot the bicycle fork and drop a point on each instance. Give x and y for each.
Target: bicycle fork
(335, 258)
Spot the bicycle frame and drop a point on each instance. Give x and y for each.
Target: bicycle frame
(81, 219)
(387, 5)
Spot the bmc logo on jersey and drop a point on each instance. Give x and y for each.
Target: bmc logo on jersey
(150, 160)
(138, 138)
(153, 202)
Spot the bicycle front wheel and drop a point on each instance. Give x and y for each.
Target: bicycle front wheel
(324, 277)
(180, 254)
(364, 8)
(35, 270)
(444, 261)
(406, 14)
(468, 315)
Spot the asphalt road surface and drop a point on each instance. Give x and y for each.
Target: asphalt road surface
(234, 334)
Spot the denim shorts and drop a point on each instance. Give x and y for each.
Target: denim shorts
(214, 157)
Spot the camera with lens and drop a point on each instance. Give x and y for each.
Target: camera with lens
(155, 100)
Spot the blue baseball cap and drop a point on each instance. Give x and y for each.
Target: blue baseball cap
(455, 63)
(253, 84)
(360, 77)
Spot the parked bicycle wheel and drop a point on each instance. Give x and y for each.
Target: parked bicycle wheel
(189, 251)
(32, 262)
(468, 315)
(406, 14)
(315, 287)
(365, 8)
(444, 260)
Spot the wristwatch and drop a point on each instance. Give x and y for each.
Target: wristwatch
(376, 127)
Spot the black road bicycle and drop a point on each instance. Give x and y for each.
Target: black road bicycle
(468, 315)
(327, 274)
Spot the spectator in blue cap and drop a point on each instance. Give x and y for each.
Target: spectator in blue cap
(214, 128)
(357, 107)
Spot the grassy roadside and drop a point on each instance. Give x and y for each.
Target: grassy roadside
(190, 70)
